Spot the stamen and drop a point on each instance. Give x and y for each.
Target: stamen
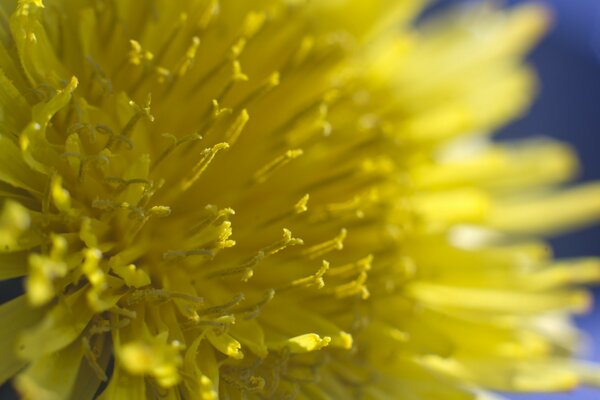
(254, 384)
(169, 41)
(315, 280)
(44, 92)
(60, 196)
(85, 160)
(150, 294)
(236, 128)
(354, 207)
(120, 183)
(137, 55)
(99, 76)
(111, 205)
(307, 44)
(92, 359)
(236, 50)
(353, 288)
(220, 324)
(160, 295)
(174, 144)
(178, 255)
(112, 137)
(92, 269)
(253, 23)
(237, 76)
(246, 268)
(310, 130)
(272, 82)
(254, 310)
(233, 57)
(218, 111)
(139, 113)
(100, 326)
(299, 208)
(223, 308)
(206, 157)
(265, 172)
(83, 127)
(209, 13)
(116, 310)
(286, 241)
(133, 276)
(188, 60)
(319, 250)
(215, 217)
(164, 75)
(362, 265)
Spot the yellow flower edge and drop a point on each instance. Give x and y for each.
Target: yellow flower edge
(280, 199)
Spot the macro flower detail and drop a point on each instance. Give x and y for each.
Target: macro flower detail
(278, 199)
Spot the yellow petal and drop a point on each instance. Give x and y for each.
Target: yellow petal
(60, 327)
(53, 376)
(551, 213)
(16, 316)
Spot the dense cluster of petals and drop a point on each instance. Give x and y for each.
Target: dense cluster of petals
(278, 199)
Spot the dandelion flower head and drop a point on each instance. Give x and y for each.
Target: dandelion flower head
(278, 199)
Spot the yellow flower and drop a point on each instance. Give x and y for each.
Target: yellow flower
(279, 199)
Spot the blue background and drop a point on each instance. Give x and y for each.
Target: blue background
(568, 63)
(568, 108)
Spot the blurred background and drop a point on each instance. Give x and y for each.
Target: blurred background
(568, 108)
